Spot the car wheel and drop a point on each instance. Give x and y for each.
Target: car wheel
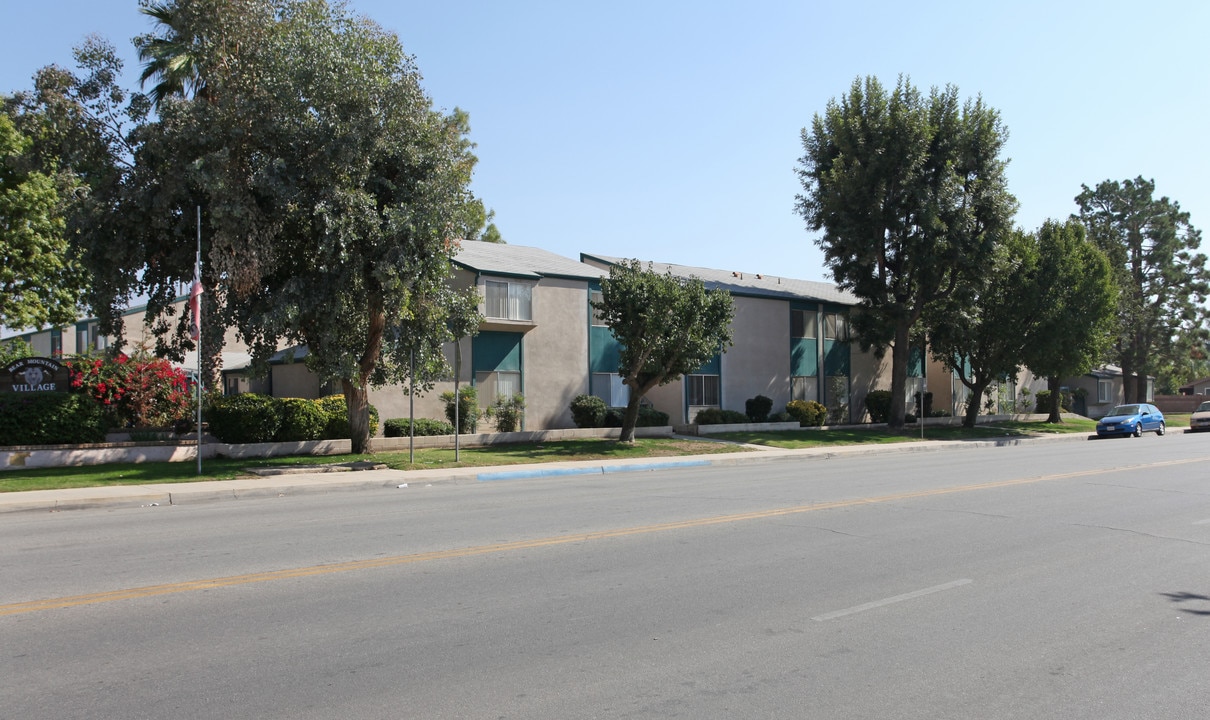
(1138, 430)
(1161, 429)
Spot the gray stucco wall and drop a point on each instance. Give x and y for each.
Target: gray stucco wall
(759, 361)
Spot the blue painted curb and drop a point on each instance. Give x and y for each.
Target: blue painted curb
(595, 470)
(655, 466)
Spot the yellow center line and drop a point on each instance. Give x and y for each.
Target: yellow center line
(353, 565)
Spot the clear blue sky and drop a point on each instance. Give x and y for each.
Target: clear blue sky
(670, 130)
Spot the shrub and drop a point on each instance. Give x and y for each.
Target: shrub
(758, 408)
(507, 412)
(468, 408)
(808, 413)
(336, 426)
(300, 420)
(588, 411)
(1043, 401)
(715, 416)
(139, 391)
(925, 410)
(244, 418)
(909, 418)
(51, 419)
(782, 417)
(650, 417)
(878, 404)
(404, 427)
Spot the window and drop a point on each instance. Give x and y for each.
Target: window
(609, 387)
(835, 327)
(1104, 391)
(597, 318)
(492, 385)
(804, 387)
(703, 390)
(802, 324)
(89, 338)
(509, 300)
(837, 400)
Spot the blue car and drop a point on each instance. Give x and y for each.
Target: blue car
(1133, 420)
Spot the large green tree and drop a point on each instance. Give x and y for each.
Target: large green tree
(1162, 278)
(667, 326)
(910, 194)
(1072, 300)
(40, 284)
(981, 335)
(333, 195)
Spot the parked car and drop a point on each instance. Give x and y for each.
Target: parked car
(1200, 419)
(1133, 420)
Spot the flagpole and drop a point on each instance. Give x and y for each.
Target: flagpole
(197, 279)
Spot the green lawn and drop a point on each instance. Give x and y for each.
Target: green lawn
(795, 439)
(591, 449)
(225, 469)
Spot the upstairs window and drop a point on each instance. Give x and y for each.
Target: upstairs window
(802, 324)
(509, 300)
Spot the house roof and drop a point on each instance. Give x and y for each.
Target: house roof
(1190, 386)
(521, 261)
(749, 284)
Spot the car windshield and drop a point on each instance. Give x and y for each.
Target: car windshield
(1125, 410)
(1204, 407)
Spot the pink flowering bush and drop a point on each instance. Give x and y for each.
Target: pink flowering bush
(142, 391)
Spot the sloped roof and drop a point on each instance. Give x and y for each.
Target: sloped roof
(750, 284)
(521, 261)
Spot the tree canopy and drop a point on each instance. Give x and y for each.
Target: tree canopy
(667, 326)
(910, 195)
(981, 336)
(39, 281)
(1162, 280)
(333, 193)
(1071, 302)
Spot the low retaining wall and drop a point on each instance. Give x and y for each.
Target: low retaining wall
(40, 456)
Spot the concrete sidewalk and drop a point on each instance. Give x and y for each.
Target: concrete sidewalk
(302, 483)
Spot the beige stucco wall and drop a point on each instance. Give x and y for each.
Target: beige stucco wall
(554, 354)
(554, 357)
(670, 399)
(866, 372)
(758, 363)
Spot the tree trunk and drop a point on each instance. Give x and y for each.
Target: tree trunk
(973, 404)
(357, 398)
(631, 418)
(1128, 385)
(1056, 400)
(900, 354)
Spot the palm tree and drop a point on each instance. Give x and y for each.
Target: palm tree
(168, 54)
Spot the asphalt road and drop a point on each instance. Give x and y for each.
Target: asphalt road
(1049, 580)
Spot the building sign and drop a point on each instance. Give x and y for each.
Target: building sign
(35, 374)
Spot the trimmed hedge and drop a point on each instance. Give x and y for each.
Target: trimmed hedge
(758, 408)
(588, 411)
(808, 413)
(878, 404)
(51, 419)
(252, 418)
(300, 420)
(715, 416)
(244, 418)
(401, 427)
(336, 427)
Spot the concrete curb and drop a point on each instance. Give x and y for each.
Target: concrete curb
(295, 484)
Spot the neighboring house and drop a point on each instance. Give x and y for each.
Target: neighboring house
(1103, 389)
(790, 342)
(1197, 387)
